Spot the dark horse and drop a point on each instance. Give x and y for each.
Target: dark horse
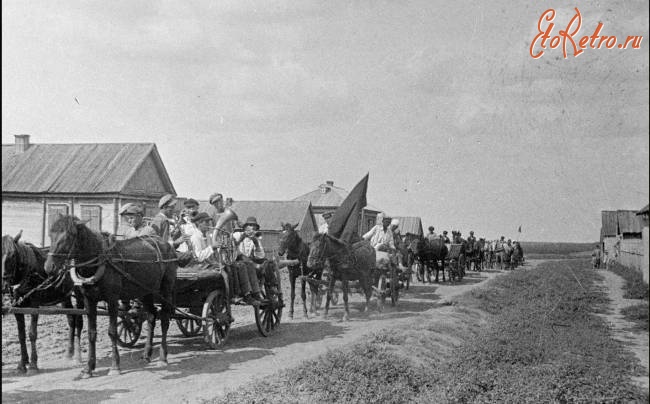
(135, 268)
(431, 253)
(354, 262)
(23, 275)
(296, 249)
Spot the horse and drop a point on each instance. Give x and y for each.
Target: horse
(431, 253)
(29, 286)
(122, 270)
(356, 262)
(297, 249)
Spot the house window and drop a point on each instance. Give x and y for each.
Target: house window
(92, 213)
(53, 211)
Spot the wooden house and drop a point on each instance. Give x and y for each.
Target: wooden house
(89, 180)
(327, 197)
(630, 228)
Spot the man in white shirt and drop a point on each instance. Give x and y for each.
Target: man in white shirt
(324, 228)
(381, 236)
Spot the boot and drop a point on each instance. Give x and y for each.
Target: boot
(249, 299)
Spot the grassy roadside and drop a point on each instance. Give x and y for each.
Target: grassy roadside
(542, 343)
(635, 288)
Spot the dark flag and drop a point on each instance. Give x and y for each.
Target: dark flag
(519, 229)
(345, 222)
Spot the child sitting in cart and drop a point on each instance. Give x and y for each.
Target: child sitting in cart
(251, 256)
(247, 284)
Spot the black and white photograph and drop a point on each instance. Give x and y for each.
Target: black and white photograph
(325, 201)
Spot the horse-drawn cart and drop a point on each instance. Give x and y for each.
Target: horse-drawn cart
(202, 303)
(455, 262)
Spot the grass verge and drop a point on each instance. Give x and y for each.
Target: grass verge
(637, 314)
(635, 287)
(542, 343)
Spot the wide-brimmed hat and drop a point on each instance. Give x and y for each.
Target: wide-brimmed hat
(190, 202)
(215, 197)
(444, 232)
(201, 217)
(431, 228)
(166, 200)
(251, 221)
(130, 209)
(385, 218)
(394, 222)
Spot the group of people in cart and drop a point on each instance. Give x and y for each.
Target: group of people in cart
(198, 242)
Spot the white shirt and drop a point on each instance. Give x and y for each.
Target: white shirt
(202, 245)
(323, 228)
(246, 247)
(378, 236)
(188, 229)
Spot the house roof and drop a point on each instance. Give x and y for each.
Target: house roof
(628, 222)
(410, 224)
(643, 211)
(270, 214)
(76, 168)
(609, 223)
(329, 195)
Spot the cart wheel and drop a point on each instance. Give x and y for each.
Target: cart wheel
(216, 323)
(129, 328)
(267, 317)
(189, 327)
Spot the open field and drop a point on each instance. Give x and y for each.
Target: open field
(547, 250)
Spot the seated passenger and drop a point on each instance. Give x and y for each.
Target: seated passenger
(381, 236)
(204, 251)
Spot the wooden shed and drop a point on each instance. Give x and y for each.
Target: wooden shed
(92, 181)
(609, 231)
(630, 228)
(410, 225)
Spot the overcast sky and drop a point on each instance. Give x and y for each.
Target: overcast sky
(440, 102)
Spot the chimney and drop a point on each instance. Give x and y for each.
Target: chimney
(326, 187)
(22, 143)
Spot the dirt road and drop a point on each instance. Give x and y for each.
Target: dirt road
(195, 373)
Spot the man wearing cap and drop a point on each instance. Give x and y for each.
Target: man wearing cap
(160, 222)
(133, 216)
(381, 236)
(324, 227)
(445, 238)
(432, 234)
(215, 210)
(250, 252)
